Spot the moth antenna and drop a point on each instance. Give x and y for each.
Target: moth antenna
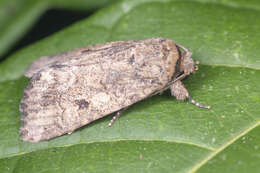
(197, 104)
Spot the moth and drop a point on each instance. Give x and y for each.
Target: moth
(69, 90)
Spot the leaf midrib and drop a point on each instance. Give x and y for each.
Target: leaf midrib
(210, 149)
(221, 148)
(212, 154)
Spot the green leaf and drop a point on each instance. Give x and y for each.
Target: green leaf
(17, 16)
(158, 134)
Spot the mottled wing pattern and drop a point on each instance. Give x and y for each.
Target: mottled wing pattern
(73, 93)
(46, 61)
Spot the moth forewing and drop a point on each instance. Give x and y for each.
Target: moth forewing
(70, 90)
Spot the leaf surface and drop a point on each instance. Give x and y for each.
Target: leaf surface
(158, 134)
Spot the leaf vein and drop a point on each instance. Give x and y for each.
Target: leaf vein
(221, 148)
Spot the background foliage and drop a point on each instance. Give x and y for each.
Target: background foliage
(159, 134)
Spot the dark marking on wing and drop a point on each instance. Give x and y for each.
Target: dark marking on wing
(131, 59)
(83, 104)
(55, 66)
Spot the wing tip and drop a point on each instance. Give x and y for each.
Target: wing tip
(26, 136)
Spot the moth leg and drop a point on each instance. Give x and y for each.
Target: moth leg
(180, 92)
(116, 116)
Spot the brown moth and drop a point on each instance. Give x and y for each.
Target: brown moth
(72, 89)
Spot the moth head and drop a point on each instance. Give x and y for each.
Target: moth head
(187, 64)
